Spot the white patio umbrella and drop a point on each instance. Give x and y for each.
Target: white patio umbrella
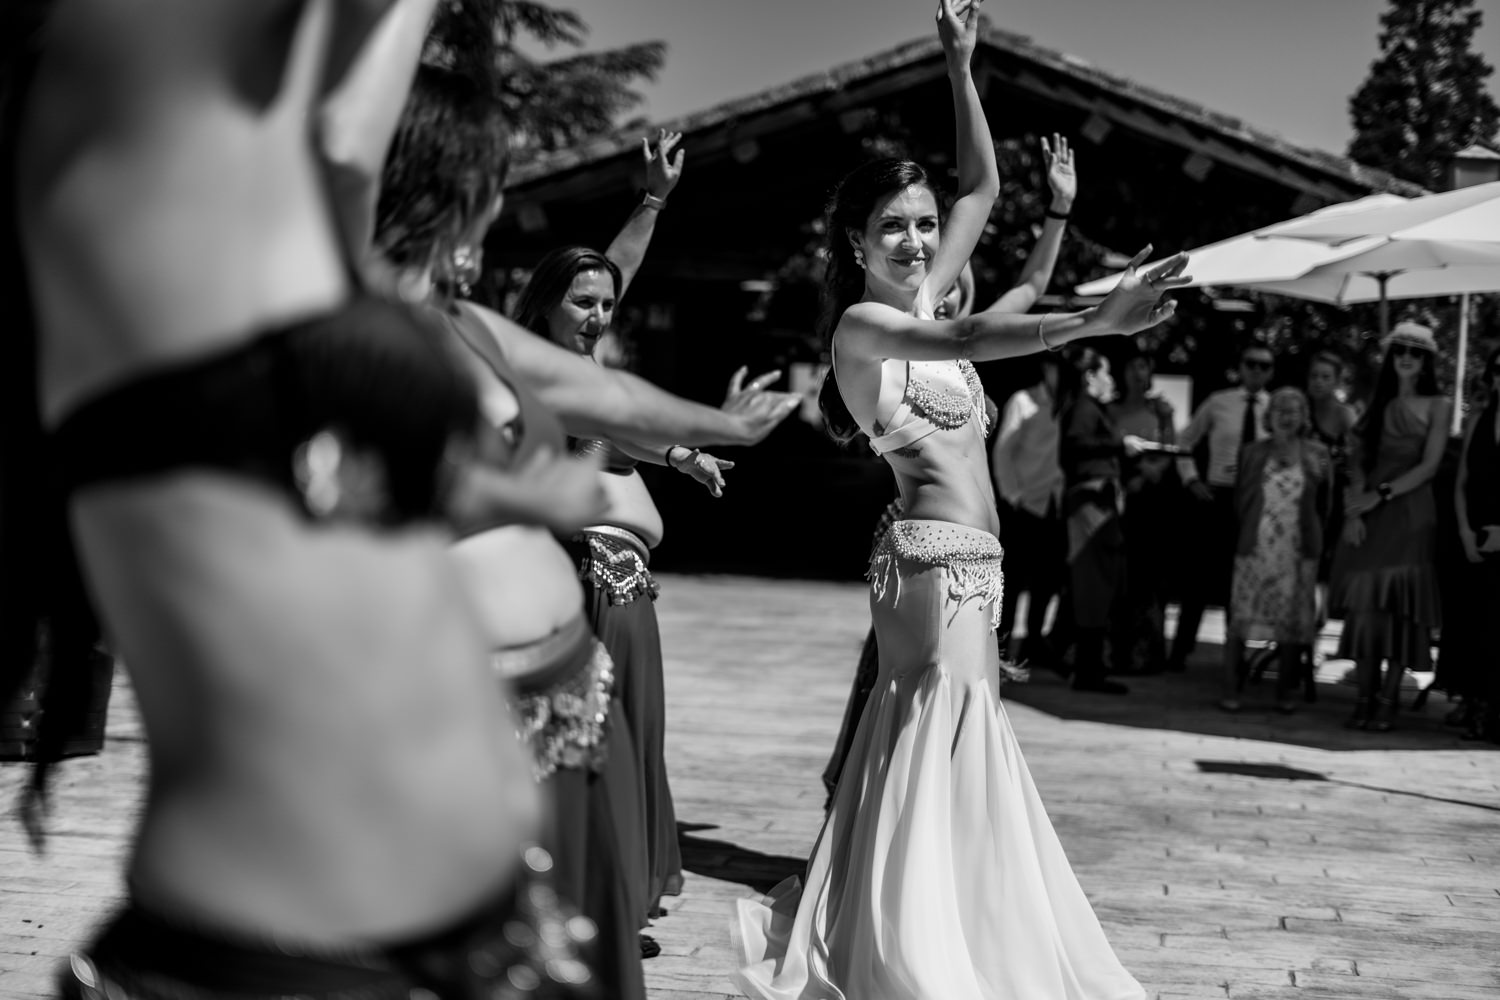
(1435, 246)
(1466, 220)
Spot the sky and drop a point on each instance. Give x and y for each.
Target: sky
(1287, 66)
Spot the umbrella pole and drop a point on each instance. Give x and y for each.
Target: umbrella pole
(1463, 358)
(1385, 306)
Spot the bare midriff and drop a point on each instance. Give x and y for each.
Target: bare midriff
(630, 507)
(331, 759)
(946, 478)
(522, 583)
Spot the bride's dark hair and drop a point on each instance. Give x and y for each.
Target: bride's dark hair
(855, 197)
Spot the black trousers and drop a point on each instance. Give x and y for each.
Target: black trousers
(1208, 571)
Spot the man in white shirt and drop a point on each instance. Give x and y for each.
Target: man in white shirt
(1227, 420)
(1028, 484)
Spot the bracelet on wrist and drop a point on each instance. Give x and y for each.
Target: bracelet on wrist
(1054, 214)
(1385, 491)
(652, 201)
(1041, 334)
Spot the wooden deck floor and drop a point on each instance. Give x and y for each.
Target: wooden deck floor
(1249, 856)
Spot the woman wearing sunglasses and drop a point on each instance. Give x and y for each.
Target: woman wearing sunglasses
(1384, 584)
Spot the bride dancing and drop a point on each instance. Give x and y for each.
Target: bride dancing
(937, 875)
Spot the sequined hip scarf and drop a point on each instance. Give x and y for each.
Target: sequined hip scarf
(970, 557)
(615, 559)
(523, 944)
(562, 686)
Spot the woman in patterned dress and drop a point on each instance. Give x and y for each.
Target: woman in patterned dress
(1281, 496)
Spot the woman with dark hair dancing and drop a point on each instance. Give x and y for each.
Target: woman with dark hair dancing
(1035, 276)
(937, 874)
(571, 300)
(338, 807)
(1384, 584)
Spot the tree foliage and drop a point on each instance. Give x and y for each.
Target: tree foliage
(553, 104)
(1425, 97)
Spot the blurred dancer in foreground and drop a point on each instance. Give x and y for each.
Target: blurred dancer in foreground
(338, 807)
(935, 800)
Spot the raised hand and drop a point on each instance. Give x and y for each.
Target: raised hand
(1136, 303)
(705, 468)
(1061, 177)
(663, 170)
(958, 28)
(759, 410)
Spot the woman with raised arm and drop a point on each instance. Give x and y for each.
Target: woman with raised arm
(1030, 533)
(936, 875)
(439, 194)
(571, 300)
(338, 806)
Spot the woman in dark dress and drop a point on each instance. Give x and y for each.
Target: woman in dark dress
(1470, 664)
(1384, 582)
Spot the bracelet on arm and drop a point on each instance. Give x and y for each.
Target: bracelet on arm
(652, 201)
(1060, 216)
(1040, 335)
(1385, 491)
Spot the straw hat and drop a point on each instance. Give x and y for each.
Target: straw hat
(1412, 335)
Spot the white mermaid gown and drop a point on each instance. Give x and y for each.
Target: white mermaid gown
(937, 875)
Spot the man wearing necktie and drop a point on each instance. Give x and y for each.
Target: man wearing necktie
(1227, 420)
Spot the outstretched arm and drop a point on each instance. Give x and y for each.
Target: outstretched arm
(1037, 274)
(663, 171)
(978, 176)
(873, 330)
(594, 401)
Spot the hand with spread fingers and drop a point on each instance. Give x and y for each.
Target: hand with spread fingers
(958, 28)
(663, 170)
(705, 468)
(1061, 176)
(759, 409)
(1136, 303)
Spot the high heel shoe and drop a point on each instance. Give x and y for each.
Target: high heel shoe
(1360, 717)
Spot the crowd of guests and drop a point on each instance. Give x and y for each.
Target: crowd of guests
(1279, 501)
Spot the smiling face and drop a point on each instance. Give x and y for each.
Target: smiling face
(1287, 415)
(585, 312)
(900, 239)
(1408, 360)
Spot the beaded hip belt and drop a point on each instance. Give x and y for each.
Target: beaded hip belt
(562, 686)
(615, 561)
(971, 559)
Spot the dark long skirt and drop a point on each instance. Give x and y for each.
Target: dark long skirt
(630, 632)
(599, 852)
(859, 694)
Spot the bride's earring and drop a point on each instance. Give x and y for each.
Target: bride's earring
(465, 270)
(859, 257)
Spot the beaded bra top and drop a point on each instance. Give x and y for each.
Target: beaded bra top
(939, 395)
